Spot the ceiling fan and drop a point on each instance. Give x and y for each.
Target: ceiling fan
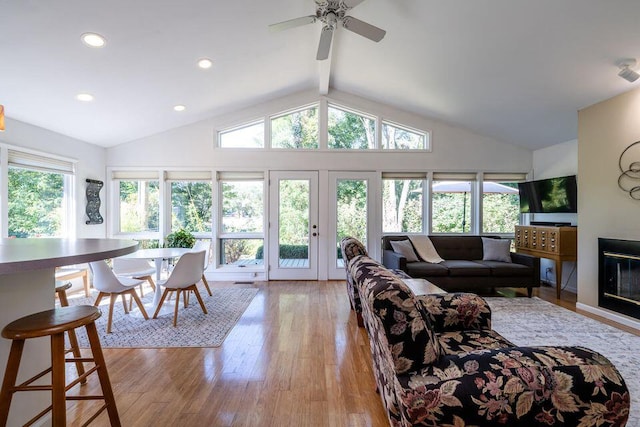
(330, 13)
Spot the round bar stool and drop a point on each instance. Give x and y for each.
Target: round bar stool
(61, 291)
(55, 323)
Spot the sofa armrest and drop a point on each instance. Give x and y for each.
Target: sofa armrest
(530, 261)
(393, 260)
(458, 311)
(519, 386)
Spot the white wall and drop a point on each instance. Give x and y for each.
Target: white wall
(454, 149)
(91, 164)
(550, 162)
(604, 131)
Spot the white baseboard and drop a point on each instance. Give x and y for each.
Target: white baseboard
(623, 320)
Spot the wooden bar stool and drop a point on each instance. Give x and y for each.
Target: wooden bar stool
(61, 292)
(55, 323)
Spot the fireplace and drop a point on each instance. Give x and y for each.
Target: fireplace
(619, 276)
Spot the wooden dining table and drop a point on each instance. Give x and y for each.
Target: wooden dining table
(27, 283)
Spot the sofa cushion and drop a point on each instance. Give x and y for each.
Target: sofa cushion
(458, 247)
(405, 248)
(460, 267)
(426, 269)
(456, 342)
(507, 269)
(496, 249)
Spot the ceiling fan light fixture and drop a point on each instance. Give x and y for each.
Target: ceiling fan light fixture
(93, 40)
(626, 70)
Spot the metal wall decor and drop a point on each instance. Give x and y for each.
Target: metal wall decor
(93, 201)
(629, 179)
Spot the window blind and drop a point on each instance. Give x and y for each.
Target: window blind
(22, 159)
(505, 177)
(135, 175)
(187, 175)
(454, 176)
(404, 175)
(239, 176)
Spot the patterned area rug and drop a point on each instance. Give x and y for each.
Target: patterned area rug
(534, 322)
(195, 329)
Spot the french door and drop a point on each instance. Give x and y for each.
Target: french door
(293, 225)
(351, 213)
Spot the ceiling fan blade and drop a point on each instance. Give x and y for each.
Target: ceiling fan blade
(291, 23)
(365, 30)
(352, 3)
(325, 43)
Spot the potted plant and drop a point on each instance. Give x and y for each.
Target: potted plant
(180, 239)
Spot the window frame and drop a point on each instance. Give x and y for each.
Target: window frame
(376, 131)
(323, 105)
(24, 158)
(219, 235)
(426, 135)
(269, 128)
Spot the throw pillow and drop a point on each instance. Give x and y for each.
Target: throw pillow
(404, 248)
(496, 249)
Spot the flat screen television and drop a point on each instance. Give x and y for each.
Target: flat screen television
(553, 195)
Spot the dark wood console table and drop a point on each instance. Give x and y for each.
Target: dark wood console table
(556, 243)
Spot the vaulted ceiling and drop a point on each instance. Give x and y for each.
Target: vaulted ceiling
(514, 70)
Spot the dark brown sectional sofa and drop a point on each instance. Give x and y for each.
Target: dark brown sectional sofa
(463, 268)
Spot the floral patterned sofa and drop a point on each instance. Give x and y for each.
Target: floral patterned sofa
(438, 363)
(351, 248)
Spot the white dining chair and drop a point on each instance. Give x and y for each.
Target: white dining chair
(182, 280)
(107, 283)
(204, 245)
(135, 268)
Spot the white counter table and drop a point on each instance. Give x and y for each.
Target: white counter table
(27, 282)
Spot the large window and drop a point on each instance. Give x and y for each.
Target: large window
(350, 130)
(500, 202)
(241, 234)
(250, 135)
(346, 129)
(296, 130)
(190, 201)
(139, 206)
(451, 204)
(395, 137)
(38, 189)
(402, 206)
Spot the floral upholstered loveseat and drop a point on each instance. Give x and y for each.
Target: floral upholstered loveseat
(438, 363)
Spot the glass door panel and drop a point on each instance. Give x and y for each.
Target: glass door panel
(294, 230)
(351, 214)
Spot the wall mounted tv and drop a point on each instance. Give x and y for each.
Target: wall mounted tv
(553, 195)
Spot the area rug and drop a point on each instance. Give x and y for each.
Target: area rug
(534, 322)
(195, 329)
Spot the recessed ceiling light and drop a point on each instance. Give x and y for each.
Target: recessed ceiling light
(85, 97)
(205, 63)
(93, 40)
(179, 108)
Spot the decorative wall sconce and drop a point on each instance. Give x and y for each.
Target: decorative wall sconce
(629, 179)
(1, 118)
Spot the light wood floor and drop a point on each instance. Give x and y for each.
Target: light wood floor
(295, 358)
